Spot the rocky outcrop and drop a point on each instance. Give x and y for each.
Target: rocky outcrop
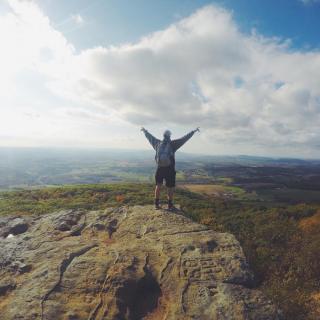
(124, 263)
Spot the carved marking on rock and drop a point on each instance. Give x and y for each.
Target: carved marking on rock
(199, 269)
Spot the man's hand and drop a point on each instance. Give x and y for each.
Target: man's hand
(198, 129)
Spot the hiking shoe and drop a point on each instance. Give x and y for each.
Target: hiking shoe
(171, 207)
(157, 204)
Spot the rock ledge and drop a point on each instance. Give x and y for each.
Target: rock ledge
(124, 263)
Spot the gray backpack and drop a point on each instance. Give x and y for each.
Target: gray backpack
(164, 154)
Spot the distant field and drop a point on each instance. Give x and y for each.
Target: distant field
(277, 195)
(293, 196)
(215, 190)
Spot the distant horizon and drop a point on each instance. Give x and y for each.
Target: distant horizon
(150, 150)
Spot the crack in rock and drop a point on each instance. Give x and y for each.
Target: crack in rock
(63, 267)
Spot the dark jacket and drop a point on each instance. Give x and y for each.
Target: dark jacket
(175, 144)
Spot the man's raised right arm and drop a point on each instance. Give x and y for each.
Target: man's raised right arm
(153, 140)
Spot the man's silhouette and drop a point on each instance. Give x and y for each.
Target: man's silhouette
(165, 151)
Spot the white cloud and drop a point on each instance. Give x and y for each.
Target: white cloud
(247, 92)
(77, 18)
(28, 43)
(309, 2)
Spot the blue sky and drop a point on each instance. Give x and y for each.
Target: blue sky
(110, 22)
(82, 73)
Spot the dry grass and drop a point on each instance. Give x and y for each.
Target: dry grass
(315, 305)
(310, 223)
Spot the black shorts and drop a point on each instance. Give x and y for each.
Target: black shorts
(168, 174)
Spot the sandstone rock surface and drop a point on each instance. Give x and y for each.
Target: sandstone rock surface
(124, 263)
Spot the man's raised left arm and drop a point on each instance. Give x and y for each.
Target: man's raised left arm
(178, 143)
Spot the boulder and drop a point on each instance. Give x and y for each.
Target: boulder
(126, 263)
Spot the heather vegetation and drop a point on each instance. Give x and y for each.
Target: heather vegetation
(280, 241)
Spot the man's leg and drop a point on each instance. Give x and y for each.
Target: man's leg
(157, 195)
(157, 191)
(170, 192)
(171, 183)
(159, 182)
